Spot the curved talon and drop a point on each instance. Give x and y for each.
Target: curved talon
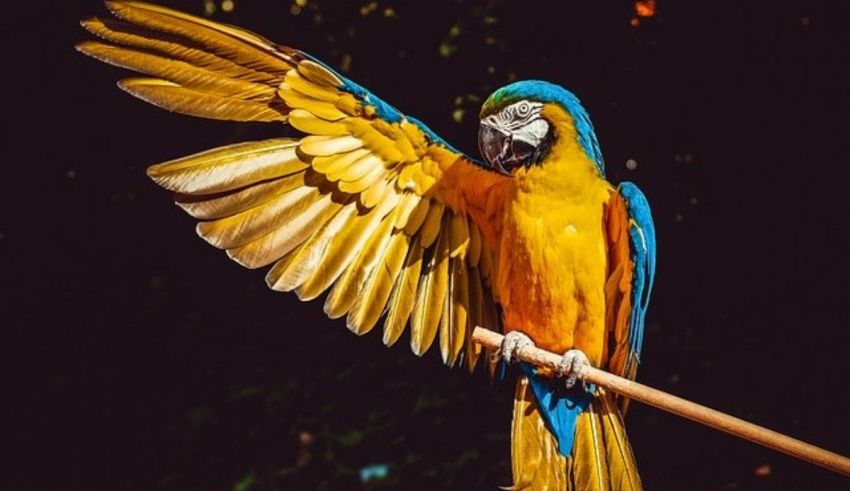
(571, 365)
(511, 344)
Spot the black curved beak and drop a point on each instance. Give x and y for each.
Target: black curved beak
(495, 146)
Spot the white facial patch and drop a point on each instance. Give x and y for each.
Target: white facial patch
(516, 115)
(514, 136)
(532, 133)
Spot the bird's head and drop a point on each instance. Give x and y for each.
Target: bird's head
(521, 122)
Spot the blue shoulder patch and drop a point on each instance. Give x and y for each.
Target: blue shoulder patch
(643, 250)
(382, 109)
(435, 138)
(390, 114)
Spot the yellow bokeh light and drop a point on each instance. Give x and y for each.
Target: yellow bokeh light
(457, 115)
(209, 7)
(368, 8)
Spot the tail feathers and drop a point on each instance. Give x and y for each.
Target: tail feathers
(601, 459)
(622, 471)
(535, 460)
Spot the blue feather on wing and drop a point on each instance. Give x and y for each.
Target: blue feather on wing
(643, 255)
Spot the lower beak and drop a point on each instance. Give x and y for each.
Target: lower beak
(495, 146)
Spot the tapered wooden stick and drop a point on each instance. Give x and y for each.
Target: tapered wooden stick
(676, 405)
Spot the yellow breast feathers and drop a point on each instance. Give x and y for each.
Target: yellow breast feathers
(553, 263)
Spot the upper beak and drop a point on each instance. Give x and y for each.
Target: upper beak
(495, 146)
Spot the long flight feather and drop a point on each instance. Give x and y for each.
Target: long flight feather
(220, 205)
(292, 233)
(300, 265)
(453, 326)
(239, 229)
(431, 296)
(229, 167)
(476, 318)
(372, 301)
(237, 45)
(172, 97)
(403, 296)
(127, 34)
(339, 254)
(179, 72)
(348, 286)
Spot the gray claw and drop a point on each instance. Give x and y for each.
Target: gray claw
(571, 365)
(511, 344)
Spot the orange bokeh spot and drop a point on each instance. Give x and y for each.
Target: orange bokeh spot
(645, 8)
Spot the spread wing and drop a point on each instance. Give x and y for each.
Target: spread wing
(370, 204)
(631, 246)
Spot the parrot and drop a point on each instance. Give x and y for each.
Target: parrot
(394, 226)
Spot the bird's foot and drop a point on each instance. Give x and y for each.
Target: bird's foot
(571, 365)
(511, 344)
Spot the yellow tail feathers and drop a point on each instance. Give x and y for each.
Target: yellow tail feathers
(601, 459)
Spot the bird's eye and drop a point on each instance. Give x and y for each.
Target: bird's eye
(523, 108)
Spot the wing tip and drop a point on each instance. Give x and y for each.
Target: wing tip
(416, 348)
(242, 261)
(114, 6)
(159, 175)
(85, 47)
(89, 22)
(271, 283)
(207, 237)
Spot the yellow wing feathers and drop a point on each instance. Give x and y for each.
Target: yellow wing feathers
(369, 210)
(397, 254)
(197, 67)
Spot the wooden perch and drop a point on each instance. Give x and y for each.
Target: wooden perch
(676, 405)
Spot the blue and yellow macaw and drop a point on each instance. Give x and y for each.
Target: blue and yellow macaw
(399, 225)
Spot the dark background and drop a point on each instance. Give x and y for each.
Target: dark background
(141, 358)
